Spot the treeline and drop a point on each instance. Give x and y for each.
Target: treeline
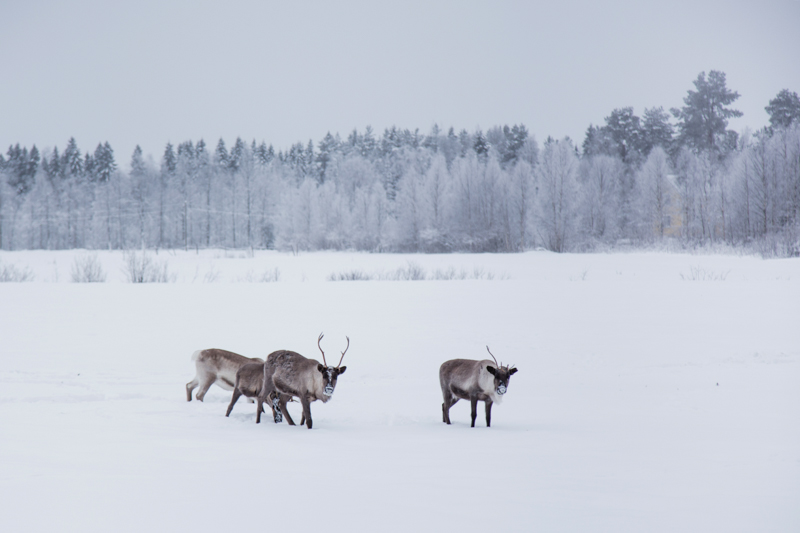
(633, 181)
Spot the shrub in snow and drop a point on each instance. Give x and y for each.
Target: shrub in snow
(697, 273)
(413, 272)
(351, 275)
(449, 274)
(87, 269)
(141, 268)
(268, 276)
(14, 274)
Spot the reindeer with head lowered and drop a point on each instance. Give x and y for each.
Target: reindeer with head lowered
(216, 366)
(289, 374)
(466, 379)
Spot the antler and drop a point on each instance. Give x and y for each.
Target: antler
(344, 352)
(490, 353)
(320, 349)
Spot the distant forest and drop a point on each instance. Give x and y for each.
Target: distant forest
(679, 178)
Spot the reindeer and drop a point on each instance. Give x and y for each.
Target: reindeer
(473, 380)
(289, 374)
(216, 366)
(250, 383)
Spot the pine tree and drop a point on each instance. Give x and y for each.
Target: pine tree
(481, 145)
(327, 147)
(784, 109)
(703, 120)
(21, 168)
(656, 130)
(515, 140)
(625, 132)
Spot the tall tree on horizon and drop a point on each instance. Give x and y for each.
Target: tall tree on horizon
(784, 109)
(703, 119)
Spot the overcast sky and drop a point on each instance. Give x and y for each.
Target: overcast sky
(149, 72)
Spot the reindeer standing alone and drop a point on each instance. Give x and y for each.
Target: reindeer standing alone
(467, 379)
(289, 374)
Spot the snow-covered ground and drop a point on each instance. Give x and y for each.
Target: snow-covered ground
(656, 392)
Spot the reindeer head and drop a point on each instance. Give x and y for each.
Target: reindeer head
(501, 375)
(330, 373)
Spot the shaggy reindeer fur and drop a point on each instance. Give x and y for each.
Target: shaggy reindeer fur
(288, 374)
(467, 379)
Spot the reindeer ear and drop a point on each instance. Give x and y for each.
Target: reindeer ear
(492, 370)
(342, 369)
(320, 368)
(512, 371)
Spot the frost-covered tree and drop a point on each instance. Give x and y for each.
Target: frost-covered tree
(141, 183)
(436, 194)
(654, 179)
(557, 176)
(600, 178)
(521, 197)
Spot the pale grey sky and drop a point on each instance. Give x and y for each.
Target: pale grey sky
(149, 72)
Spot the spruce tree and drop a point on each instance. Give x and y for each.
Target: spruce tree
(221, 155)
(72, 162)
(169, 162)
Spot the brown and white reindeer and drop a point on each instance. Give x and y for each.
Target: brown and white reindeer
(289, 374)
(466, 379)
(250, 383)
(216, 366)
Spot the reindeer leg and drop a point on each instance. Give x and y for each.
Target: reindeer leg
(259, 410)
(306, 411)
(286, 410)
(235, 397)
(190, 387)
(488, 413)
(473, 400)
(449, 402)
(205, 384)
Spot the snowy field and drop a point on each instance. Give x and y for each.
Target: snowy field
(656, 392)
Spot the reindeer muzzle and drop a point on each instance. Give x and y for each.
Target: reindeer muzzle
(328, 391)
(501, 390)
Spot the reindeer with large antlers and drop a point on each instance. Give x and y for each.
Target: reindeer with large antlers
(289, 374)
(466, 379)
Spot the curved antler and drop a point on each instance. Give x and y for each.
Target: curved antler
(320, 349)
(344, 352)
(490, 353)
